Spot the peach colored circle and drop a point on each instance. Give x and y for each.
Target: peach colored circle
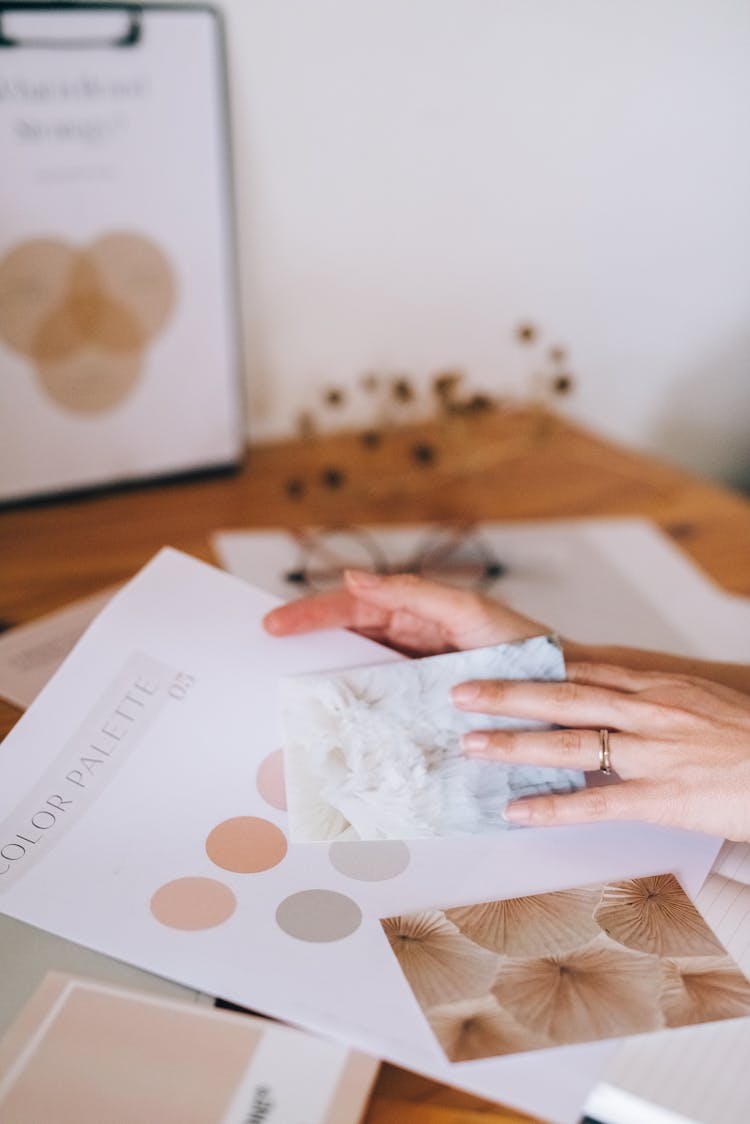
(135, 272)
(34, 278)
(91, 380)
(85, 315)
(193, 903)
(246, 845)
(270, 780)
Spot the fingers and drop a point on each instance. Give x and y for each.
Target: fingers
(467, 619)
(670, 689)
(430, 600)
(337, 609)
(413, 635)
(559, 703)
(631, 800)
(558, 749)
(451, 618)
(406, 631)
(368, 603)
(615, 678)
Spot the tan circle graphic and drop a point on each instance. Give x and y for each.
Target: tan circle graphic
(246, 845)
(85, 317)
(34, 278)
(91, 379)
(193, 903)
(270, 780)
(135, 274)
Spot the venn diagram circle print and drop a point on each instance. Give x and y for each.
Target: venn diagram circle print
(84, 317)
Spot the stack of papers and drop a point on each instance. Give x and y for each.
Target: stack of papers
(143, 810)
(141, 814)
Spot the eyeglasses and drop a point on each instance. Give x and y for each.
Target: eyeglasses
(456, 555)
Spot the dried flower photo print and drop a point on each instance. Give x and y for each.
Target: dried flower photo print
(529, 973)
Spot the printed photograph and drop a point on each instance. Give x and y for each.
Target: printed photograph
(603, 961)
(374, 752)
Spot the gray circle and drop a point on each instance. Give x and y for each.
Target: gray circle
(370, 861)
(318, 915)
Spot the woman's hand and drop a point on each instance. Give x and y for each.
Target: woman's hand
(679, 744)
(406, 612)
(680, 732)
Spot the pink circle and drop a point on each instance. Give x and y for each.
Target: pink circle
(270, 780)
(193, 903)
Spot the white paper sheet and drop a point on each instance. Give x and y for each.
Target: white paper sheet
(189, 637)
(31, 653)
(602, 581)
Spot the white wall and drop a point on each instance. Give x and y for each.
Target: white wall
(415, 177)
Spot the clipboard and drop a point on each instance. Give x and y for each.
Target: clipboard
(119, 328)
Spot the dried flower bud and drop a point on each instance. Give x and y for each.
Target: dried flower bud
(332, 478)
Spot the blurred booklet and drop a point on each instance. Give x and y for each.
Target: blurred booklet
(161, 1059)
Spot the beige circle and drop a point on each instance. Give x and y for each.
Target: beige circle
(90, 379)
(193, 903)
(318, 916)
(86, 316)
(370, 861)
(246, 845)
(136, 274)
(34, 279)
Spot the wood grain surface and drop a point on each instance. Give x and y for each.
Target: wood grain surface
(512, 465)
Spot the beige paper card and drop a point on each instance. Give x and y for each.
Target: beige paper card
(81, 1050)
(601, 961)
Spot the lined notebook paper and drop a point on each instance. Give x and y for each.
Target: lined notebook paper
(697, 1073)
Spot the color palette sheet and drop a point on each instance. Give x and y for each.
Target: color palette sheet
(141, 814)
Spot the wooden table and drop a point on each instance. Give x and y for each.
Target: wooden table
(503, 466)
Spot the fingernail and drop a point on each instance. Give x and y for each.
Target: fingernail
(271, 622)
(517, 813)
(474, 742)
(362, 578)
(465, 693)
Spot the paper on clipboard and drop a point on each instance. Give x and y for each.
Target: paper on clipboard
(118, 328)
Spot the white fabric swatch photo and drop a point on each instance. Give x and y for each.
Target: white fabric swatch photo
(374, 752)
